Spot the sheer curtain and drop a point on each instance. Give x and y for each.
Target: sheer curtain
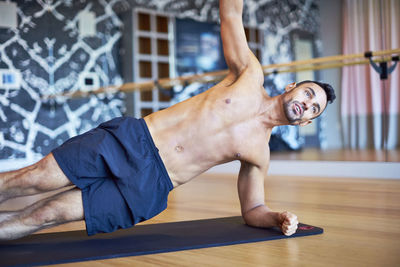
(370, 107)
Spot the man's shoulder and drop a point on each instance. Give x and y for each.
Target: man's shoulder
(252, 71)
(255, 69)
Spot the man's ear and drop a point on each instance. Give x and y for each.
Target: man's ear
(304, 123)
(290, 87)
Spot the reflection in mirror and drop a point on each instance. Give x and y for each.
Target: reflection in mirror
(363, 122)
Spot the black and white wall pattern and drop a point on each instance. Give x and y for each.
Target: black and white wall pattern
(52, 56)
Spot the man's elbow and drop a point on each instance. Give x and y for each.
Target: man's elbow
(250, 217)
(247, 219)
(250, 220)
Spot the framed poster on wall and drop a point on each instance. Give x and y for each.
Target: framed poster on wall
(198, 47)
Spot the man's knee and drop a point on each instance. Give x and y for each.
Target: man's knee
(56, 211)
(44, 215)
(48, 175)
(52, 213)
(26, 177)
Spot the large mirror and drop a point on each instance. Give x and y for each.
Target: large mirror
(363, 122)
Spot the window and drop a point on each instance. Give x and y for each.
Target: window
(153, 58)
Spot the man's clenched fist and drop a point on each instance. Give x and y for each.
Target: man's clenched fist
(288, 223)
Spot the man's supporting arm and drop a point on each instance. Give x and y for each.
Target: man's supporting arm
(254, 210)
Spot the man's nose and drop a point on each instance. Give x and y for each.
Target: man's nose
(306, 105)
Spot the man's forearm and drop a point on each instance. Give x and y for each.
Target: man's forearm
(261, 216)
(230, 7)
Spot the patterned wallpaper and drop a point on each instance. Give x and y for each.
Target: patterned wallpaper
(51, 56)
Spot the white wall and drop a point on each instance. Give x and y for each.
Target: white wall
(331, 37)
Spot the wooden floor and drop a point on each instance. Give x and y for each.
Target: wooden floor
(338, 155)
(361, 219)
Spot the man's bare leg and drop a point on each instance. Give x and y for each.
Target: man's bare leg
(6, 215)
(58, 209)
(40, 177)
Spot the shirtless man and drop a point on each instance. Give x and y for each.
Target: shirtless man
(124, 169)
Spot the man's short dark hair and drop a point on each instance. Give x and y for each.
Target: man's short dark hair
(330, 93)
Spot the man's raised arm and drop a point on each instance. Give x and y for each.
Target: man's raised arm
(236, 50)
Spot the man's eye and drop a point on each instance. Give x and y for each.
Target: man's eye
(307, 94)
(314, 110)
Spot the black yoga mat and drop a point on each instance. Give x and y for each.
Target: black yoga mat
(76, 246)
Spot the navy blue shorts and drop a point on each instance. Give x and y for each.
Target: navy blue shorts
(121, 175)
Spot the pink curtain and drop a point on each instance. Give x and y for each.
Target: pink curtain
(369, 107)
